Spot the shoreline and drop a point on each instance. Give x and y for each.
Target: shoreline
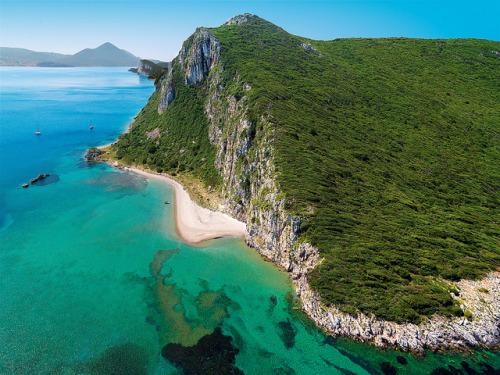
(195, 224)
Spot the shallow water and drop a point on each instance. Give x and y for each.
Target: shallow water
(94, 278)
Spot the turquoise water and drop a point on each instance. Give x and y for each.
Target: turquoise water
(94, 279)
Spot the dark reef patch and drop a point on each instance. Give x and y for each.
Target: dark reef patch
(330, 340)
(344, 371)
(213, 354)
(388, 369)
(124, 359)
(284, 370)
(401, 360)
(359, 361)
(468, 370)
(287, 333)
(273, 301)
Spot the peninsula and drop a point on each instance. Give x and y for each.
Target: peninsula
(366, 168)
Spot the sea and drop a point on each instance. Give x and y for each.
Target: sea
(94, 279)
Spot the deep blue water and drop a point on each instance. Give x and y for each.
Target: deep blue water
(94, 279)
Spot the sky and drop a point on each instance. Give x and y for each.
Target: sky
(155, 29)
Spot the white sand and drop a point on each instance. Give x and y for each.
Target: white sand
(196, 224)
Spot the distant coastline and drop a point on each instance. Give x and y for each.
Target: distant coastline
(106, 55)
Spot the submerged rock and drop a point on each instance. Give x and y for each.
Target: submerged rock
(123, 359)
(287, 333)
(213, 354)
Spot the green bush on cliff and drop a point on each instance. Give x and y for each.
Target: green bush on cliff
(183, 127)
(389, 147)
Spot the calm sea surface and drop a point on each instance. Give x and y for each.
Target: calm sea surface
(93, 279)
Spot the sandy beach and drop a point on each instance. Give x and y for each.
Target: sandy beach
(196, 224)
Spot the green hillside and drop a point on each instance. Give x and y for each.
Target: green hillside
(389, 148)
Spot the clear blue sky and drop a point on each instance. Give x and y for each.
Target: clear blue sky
(156, 28)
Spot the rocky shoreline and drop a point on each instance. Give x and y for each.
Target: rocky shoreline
(480, 301)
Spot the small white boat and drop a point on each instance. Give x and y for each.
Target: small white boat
(38, 132)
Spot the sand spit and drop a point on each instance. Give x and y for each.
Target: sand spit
(196, 224)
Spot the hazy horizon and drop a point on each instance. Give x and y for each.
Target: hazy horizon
(155, 29)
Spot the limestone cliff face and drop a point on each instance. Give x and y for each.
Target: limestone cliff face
(245, 159)
(167, 89)
(144, 68)
(198, 55)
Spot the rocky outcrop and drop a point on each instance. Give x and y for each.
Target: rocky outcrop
(40, 177)
(310, 49)
(153, 134)
(144, 68)
(250, 191)
(198, 55)
(93, 154)
(167, 88)
(239, 19)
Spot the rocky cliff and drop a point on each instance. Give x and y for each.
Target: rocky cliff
(144, 68)
(245, 159)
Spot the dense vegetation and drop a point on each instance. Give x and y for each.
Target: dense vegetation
(182, 141)
(389, 147)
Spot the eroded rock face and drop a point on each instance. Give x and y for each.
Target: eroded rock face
(167, 90)
(239, 19)
(198, 55)
(153, 134)
(201, 56)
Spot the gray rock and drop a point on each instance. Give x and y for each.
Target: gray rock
(239, 19)
(93, 154)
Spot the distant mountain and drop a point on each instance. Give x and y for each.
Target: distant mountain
(25, 57)
(104, 55)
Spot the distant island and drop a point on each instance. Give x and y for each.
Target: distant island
(106, 54)
(367, 168)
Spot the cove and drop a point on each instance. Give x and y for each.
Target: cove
(94, 279)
